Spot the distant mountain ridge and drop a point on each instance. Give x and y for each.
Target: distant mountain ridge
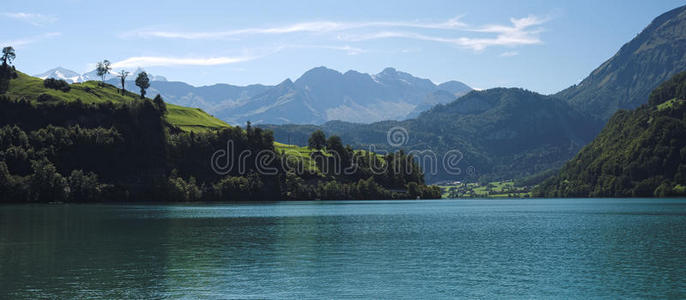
(318, 96)
(510, 133)
(74, 77)
(503, 133)
(323, 94)
(61, 73)
(626, 80)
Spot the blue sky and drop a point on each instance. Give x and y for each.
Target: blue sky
(543, 46)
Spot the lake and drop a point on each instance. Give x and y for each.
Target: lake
(534, 248)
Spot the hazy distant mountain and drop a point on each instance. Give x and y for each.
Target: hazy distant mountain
(431, 100)
(93, 75)
(625, 80)
(319, 95)
(322, 94)
(281, 104)
(61, 73)
(210, 98)
(455, 87)
(502, 133)
(73, 77)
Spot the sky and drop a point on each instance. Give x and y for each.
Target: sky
(544, 46)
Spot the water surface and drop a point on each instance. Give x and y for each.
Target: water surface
(353, 249)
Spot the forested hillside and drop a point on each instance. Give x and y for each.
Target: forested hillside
(91, 142)
(639, 153)
(502, 133)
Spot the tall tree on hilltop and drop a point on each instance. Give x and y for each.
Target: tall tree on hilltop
(8, 55)
(6, 72)
(102, 69)
(122, 75)
(317, 140)
(143, 82)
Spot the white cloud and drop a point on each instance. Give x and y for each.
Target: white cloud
(150, 61)
(311, 27)
(518, 34)
(18, 43)
(346, 48)
(509, 54)
(522, 31)
(31, 18)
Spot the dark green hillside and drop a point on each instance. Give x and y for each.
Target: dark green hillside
(640, 153)
(502, 133)
(625, 80)
(88, 142)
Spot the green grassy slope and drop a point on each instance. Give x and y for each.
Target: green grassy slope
(186, 118)
(192, 119)
(301, 154)
(304, 155)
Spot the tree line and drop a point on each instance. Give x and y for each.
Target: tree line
(142, 80)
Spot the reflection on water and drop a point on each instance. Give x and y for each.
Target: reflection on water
(359, 249)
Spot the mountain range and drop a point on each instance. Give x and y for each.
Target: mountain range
(73, 77)
(502, 133)
(511, 133)
(318, 96)
(499, 133)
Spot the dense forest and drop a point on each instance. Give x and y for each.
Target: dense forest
(503, 133)
(640, 153)
(57, 150)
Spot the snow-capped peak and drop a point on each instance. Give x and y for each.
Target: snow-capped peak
(61, 73)
(73, 77)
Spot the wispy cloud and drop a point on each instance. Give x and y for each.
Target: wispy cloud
(349, 50)
(18, 43)
(345, 48)
(509, 54)
(520, 33)
(31, 18)
(311, 27)
(151, 61)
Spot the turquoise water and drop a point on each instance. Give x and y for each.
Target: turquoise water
(577, 248)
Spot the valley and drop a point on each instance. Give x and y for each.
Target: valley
(494, 135)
